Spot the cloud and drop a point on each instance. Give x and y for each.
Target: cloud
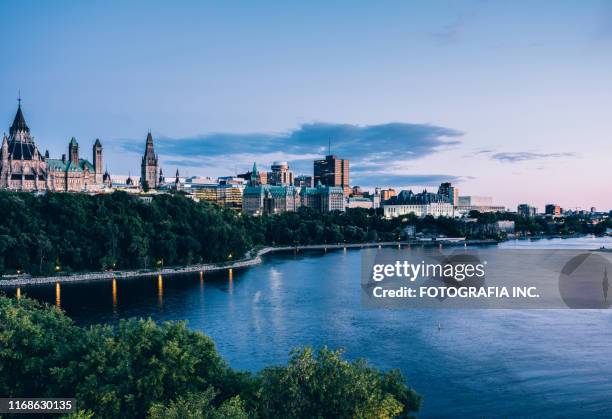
(372, 146)
(514, 157)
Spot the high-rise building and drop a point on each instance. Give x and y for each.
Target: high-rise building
(527, 211)
(552, 209)
(450, 191)
(332, 171)
(303, 181)
(280, 174)
(387, 194)
(149, 168)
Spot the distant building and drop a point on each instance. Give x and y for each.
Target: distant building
(465, 204)
(356, 191)
(332, 171)
(437, 209)
(323, 198)
(505, 226)
(553, 209)
(255, 176)
(387, 194)
(24, 168)
(269, 199)
(226, 191)
(303, 181)
(359, 202)
(526, 210)
(421, 198)
(450, 191)
(149, 167)
(125, 183)
(280, 174)
(475, 201)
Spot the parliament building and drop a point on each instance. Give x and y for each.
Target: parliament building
(24, 168)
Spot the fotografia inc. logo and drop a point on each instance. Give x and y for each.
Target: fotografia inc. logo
(584, 282)
(427, 276)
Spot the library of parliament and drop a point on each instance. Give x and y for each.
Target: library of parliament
(24, 168)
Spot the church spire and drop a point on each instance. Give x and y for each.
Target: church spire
(19, 123)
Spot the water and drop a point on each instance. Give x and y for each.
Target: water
(546, 363)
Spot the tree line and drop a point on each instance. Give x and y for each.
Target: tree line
(141, 369)
(59, 232)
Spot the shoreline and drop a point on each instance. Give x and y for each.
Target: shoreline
(248, 261)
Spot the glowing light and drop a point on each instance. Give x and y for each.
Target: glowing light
(114, 293)
(18, 293)
(58, 299)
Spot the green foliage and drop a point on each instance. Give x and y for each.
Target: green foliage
(199, 406)
(140, 368)
(81, 232)
(323, 385)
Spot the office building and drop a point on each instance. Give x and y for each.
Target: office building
(332, 171)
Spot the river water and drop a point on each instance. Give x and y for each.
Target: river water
(480, 363)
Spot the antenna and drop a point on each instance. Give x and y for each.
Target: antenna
(329, 147)
(19, 97)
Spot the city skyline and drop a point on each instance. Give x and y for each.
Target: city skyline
(458, 95)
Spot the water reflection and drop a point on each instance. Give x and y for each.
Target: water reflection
(58, 299)
(114, 288)
(231, 281)
(160, 291)
(18, 293)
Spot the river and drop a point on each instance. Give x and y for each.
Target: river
(509, 363)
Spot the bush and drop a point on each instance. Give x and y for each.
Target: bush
(140, 368)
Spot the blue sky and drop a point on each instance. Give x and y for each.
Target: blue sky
(508, 99)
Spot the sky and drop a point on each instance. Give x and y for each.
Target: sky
(505, 99)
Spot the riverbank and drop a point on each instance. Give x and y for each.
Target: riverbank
(249, 260)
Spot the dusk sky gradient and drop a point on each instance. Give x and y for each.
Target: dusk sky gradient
(507, 99)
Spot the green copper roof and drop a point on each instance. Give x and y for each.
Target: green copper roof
(59, 165)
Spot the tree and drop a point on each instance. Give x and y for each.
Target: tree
(199, 406)
(139, 368)
(324, 385)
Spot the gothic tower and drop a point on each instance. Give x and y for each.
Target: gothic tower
(73, 151)
(97, 161)
(149, 167)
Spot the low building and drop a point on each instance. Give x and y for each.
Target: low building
(436, 209)
(269, 199)
(505, 226)
(359, 202)
(225, 191)
(387, 194)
